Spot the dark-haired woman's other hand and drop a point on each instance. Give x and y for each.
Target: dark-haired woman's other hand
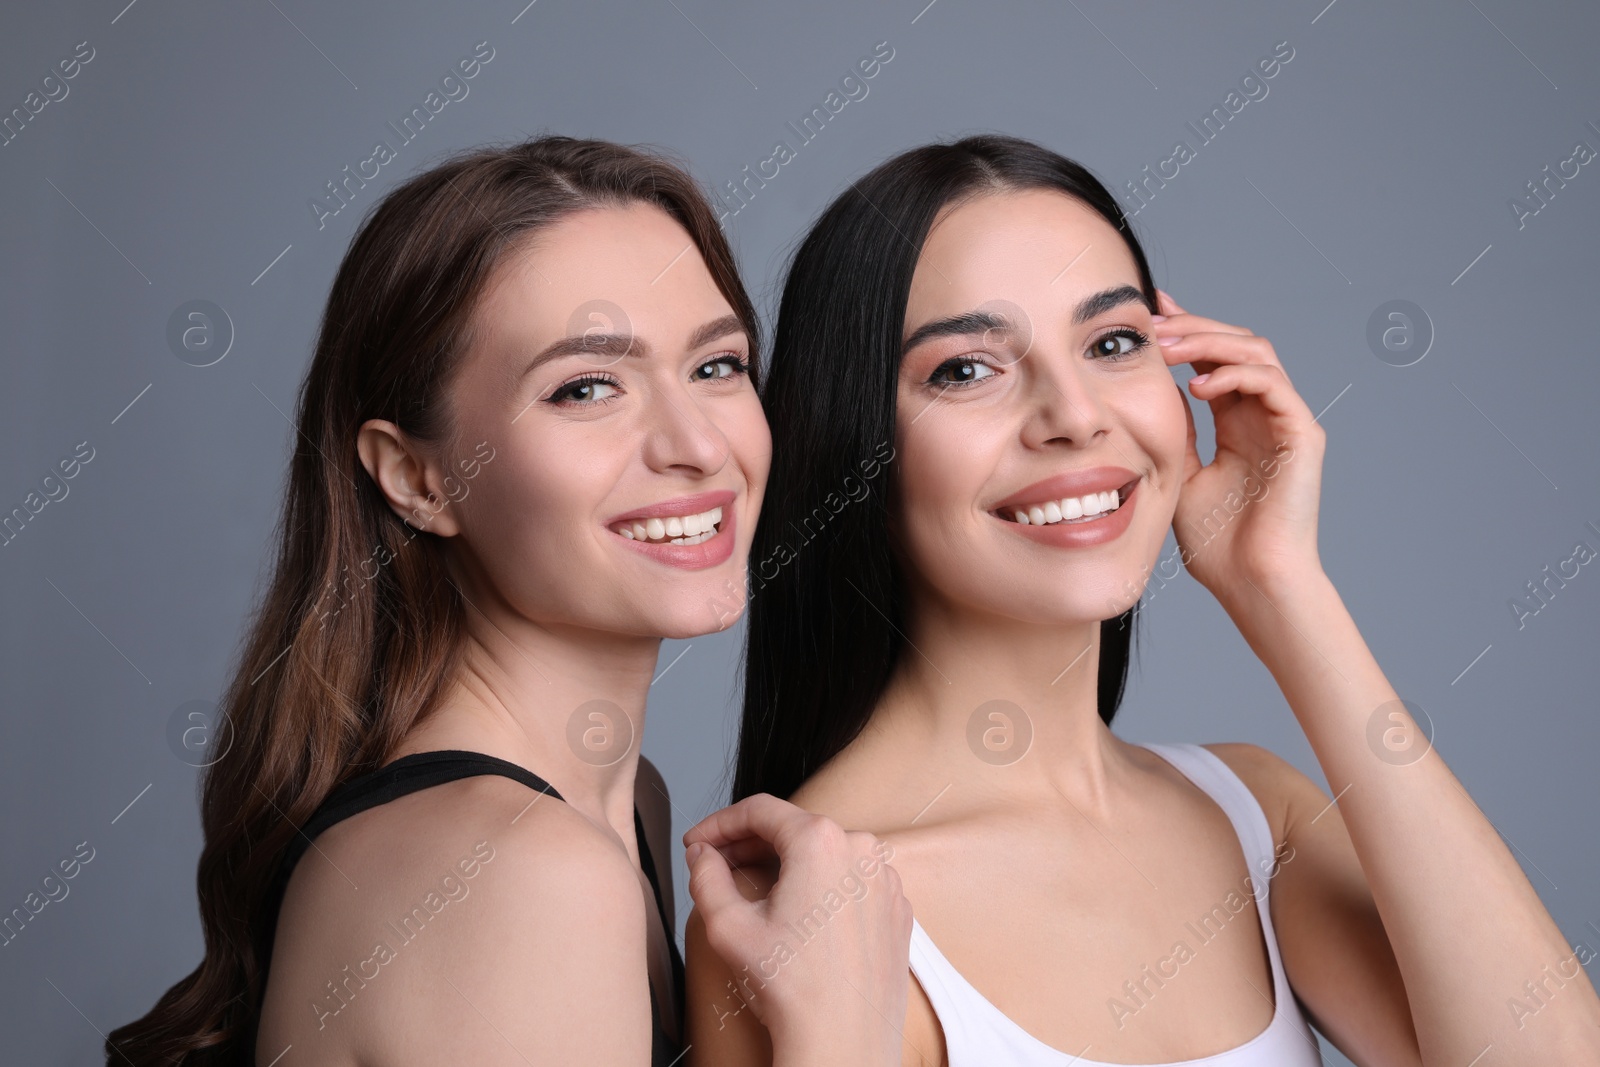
(1247, 521)
(811, 922)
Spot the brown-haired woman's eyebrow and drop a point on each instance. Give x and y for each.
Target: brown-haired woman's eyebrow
(617, 345)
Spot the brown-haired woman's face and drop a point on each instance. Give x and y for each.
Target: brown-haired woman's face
(630, 448)
(1041, 435)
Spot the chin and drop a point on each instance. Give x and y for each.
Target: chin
(692, 614)
(1069, 600)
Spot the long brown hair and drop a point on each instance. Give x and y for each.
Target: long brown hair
(335, 670)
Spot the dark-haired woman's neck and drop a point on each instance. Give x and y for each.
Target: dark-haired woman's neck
(1005, 705)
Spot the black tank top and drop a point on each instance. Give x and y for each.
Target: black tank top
(422, 770)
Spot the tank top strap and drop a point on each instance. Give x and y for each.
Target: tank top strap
(409, 774)
(670, 928)
(1218, 781)
(976, 1032)
(406, 775)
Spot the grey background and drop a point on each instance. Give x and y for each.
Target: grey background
(1378, 167)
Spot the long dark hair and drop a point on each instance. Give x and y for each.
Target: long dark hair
(827, 603)
(321, 695)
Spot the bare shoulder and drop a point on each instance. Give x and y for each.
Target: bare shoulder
(863, 788)
(1287, 796)
(406, 927)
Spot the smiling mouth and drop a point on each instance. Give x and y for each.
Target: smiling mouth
(1068, 510)
(672, 529)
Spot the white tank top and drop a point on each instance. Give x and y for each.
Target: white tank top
(978, 1033)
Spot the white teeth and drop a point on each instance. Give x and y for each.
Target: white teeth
(1069, 509)
(674, 529)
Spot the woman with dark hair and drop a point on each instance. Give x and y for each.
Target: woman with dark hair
(978, 449)
(528, 447)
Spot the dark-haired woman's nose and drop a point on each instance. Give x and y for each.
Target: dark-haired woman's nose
(1062, 406)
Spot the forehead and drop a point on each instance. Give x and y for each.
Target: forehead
(1039, 248)
(633, 265)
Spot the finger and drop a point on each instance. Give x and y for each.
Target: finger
(1269, 384)
(761, 816)
(1183, 325)
(1191, 452)
(748, 851)
(1176, 320)
(1218, 349)
(711, 882)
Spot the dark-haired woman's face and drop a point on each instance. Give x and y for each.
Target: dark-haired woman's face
(1040, 433)
(631, 450)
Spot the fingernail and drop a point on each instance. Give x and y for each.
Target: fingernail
(693, 852)
(1158, 318)
(1198, 378)
(1168, 342)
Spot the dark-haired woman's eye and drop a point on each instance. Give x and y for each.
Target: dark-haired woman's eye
(1111, 349)
(962, 370)
(585, 391)
(722, 367)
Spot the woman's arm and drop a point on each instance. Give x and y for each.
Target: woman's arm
(1465, 928)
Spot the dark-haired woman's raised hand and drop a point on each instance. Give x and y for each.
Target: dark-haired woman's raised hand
(1371, 913)
(1251, 513)
(820, 955)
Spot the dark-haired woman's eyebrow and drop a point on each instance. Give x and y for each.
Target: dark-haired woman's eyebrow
(963, 325)
(969, 323)
(1104, 301)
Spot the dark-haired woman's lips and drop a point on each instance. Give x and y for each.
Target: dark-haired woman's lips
(1091, 519)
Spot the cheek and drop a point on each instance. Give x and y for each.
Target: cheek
(751, 441)
(931, 461)
(941, 462)
(531, 499)
(1155, 414)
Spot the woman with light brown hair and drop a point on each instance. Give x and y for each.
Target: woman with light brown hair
(528, 447)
